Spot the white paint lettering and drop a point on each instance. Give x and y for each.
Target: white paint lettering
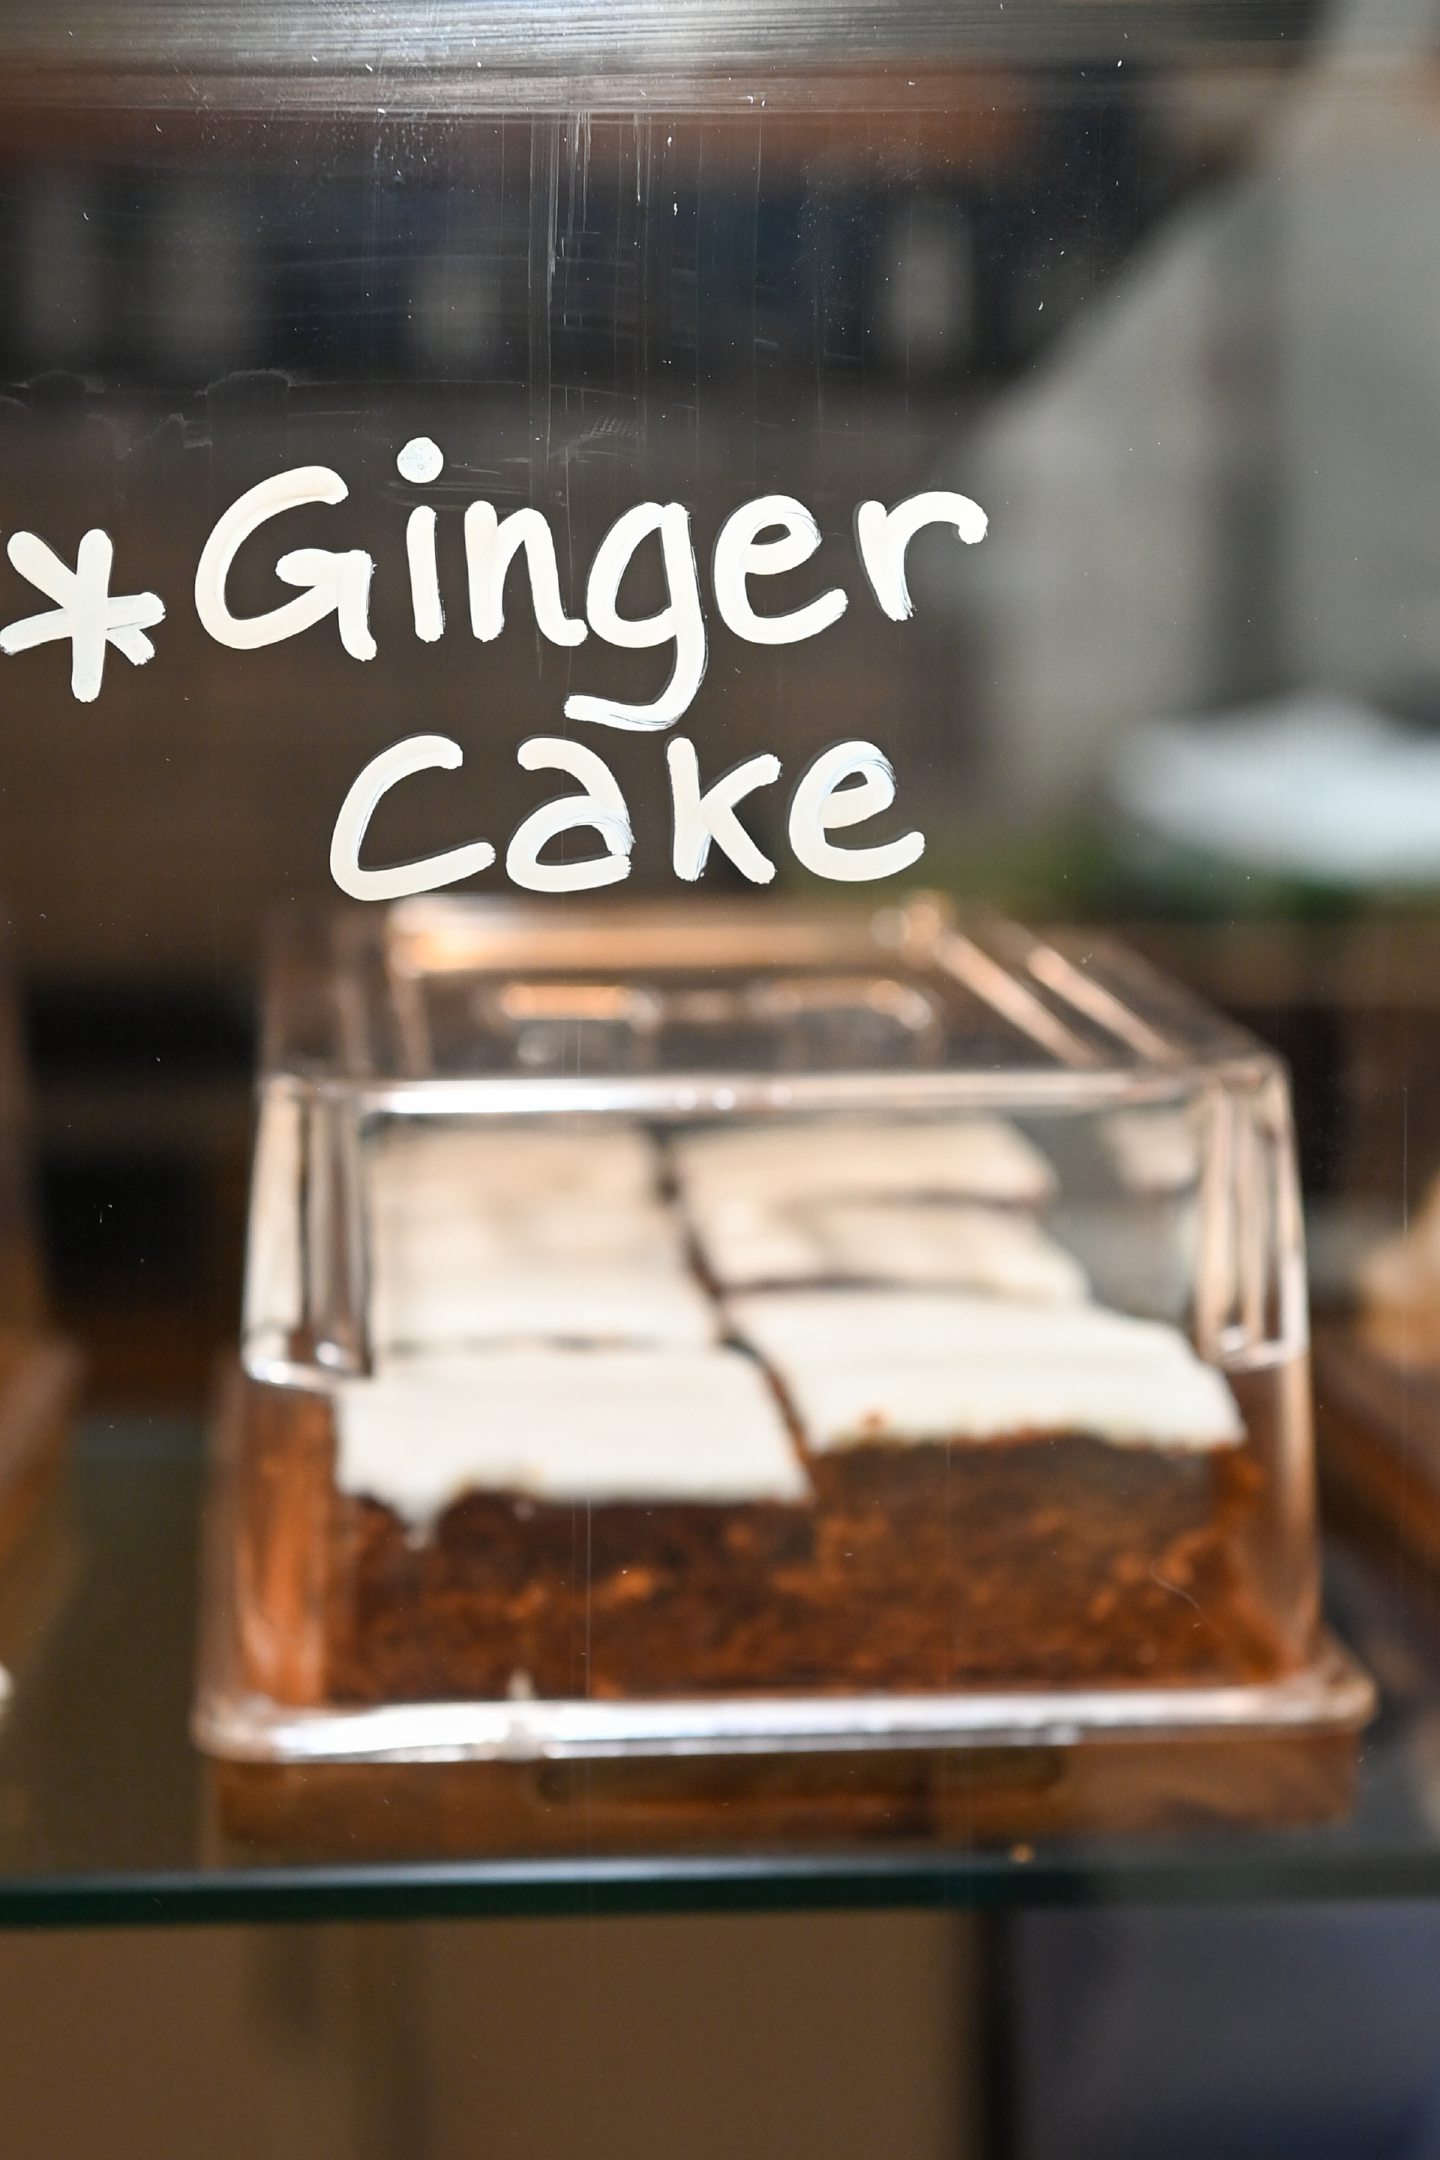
(426, 605)
(421, 460)
(418, 753)
(823, 803)
(681, 619)
(602, 806)
(741, 554)
(700, 818)
(491, 545)
(883, 536)
(332, 583)
(85, 611)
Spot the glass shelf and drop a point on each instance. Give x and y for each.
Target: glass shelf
(106, 1810)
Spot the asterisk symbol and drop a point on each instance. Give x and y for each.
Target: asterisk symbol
(85, 610)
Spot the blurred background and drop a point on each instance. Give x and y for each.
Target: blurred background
(1154, 280)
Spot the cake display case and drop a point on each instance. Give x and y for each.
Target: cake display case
(1378, 1394)
(784, 1366)
(38, 1375)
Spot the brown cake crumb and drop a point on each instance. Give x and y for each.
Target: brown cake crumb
(1042, 1560)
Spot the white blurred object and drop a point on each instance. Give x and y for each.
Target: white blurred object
(1224, 470)
(1311, 786)
(1099, 473)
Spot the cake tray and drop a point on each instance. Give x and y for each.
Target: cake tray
(1378, 1443)
(1032, 1761)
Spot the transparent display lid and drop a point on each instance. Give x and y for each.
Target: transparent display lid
(654, 1019)
(902, 1001)
(723, 1327)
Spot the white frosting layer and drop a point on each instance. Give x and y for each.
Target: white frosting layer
(574, 1231)
(568, 1426)
(749, 1242)
(423, 1167)
(569, 1271)
(914, 1366)
(546, 1238)
(418, 1309)
(955, 1158)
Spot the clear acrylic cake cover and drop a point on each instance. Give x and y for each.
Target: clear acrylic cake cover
(678, 1017)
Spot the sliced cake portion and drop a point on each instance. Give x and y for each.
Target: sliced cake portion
(479, 1238)
(430, 1165)
(984, 1492)
(563, 1522)
(957, 1158)
(753, 1243)
(914, 1366)
(567, 1427)
(1014, 1492)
